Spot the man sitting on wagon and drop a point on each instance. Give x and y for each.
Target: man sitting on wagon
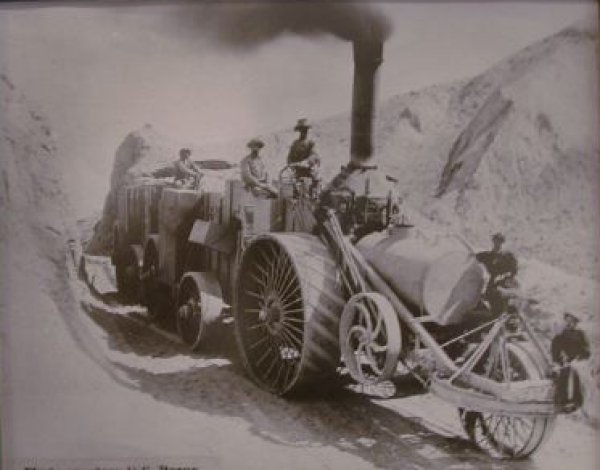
(254, 174)
(187, 172)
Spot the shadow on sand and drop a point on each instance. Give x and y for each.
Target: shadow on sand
(329, 415)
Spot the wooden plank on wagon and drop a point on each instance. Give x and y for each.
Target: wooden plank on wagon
(214, 212)
(225, 221)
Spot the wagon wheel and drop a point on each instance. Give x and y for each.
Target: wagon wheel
(370, 338)
(190, 325)
(199, 304)
(127, 273)
(287, 311)
(155, 295)
(502, 435)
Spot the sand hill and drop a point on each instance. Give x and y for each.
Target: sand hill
(513, 149)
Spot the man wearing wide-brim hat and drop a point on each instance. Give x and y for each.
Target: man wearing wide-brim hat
(302, 148)
(253, 172)
(302, 125)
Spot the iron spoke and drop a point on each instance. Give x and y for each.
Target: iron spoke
(291, 302)
(257, 325)
(286, 277)
(290, 337)
(256, 295)
(254, 310)
(293, 327)
(294, 319)
(260, 282)
(259, 341)
(273, 362)
(291, 289)
(262, 270)
(289, 280)
(279, 270)
(281, 367)
(268, 350)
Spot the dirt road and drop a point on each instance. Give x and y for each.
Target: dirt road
(137, 397)
(395, 425)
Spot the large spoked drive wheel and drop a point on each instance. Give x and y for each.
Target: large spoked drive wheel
(287, 308)
(370, 338)
(127, 273)
(507, 436)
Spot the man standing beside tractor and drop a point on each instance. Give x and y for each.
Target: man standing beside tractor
(570, 347)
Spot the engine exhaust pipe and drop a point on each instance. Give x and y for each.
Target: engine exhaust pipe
(368, 56)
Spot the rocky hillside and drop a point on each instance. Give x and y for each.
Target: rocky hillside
(42, 338)
(34, 208)
(513, 149)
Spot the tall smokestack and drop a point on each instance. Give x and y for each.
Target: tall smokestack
(368, 56)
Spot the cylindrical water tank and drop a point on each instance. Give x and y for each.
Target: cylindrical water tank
(437, 273)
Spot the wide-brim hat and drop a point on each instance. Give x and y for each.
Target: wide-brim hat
(302, 124)
(569, 315)
(256, 144)
(499, 236)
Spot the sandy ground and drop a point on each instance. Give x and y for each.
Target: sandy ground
(94, 386)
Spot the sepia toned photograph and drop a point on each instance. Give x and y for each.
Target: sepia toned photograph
(290, 235)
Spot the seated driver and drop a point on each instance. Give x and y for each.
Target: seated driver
(502, 267)
(254, 174)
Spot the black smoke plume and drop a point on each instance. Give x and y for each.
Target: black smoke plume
(246, 26)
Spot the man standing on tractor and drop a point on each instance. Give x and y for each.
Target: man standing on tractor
(187, 172)
(253, 171)
(302, 157)
(301, 148)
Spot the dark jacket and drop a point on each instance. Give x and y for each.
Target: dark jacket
(569, 345)
(499, 265)
(299, 151)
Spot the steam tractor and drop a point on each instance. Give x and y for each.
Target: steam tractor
(319, 281)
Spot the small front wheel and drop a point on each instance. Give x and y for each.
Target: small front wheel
(508, 436)
(199, 304)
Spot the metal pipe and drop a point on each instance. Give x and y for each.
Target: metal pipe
(368, 56)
